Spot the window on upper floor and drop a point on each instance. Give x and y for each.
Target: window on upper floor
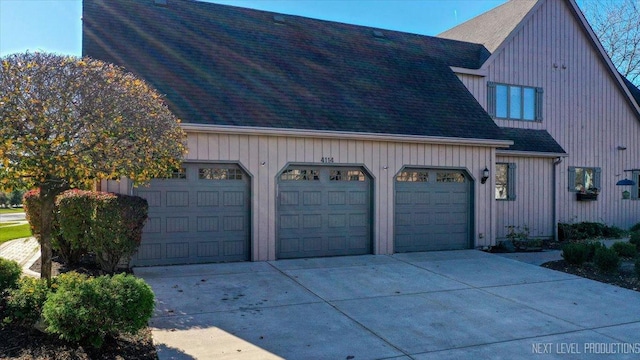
(514, 102)
(505, 181)
(584, 179)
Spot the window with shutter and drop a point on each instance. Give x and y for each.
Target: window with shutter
(505, 181)
(514, 102)
(584, 179)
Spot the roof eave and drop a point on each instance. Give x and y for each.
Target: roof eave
(249, 130)
(505, 152)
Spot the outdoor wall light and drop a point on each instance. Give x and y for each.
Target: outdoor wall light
(485, 175)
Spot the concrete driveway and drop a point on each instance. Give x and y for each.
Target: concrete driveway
(437, 305)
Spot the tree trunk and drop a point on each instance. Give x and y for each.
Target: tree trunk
(47, 202)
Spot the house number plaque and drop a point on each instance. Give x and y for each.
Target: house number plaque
(326, 159)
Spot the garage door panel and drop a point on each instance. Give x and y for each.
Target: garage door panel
(177, 224)
(311, 221)
(152, 251)
(337, 198)
(197, 218)
(207, 198)
(432, 210)
(152, 197)
(337, 220)
(207, 223)
(326, 216)
(177, 250)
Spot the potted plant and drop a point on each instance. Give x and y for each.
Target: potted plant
(590, 194)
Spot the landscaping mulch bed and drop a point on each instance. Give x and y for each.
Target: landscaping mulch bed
(626, 278)
(23, 343)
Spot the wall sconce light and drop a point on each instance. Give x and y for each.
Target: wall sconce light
(263, 163)
(485, 175)
(385, 167)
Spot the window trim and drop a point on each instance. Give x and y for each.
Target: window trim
(492, 99)
(597, 175)
(511, 181)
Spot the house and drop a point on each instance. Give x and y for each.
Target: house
(311, 138)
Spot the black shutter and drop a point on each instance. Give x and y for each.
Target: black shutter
(572, 179)
(491, 99)
(539, 93)
(511, 181)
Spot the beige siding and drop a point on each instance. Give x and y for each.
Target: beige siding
(533, 209)
(276, 152)
(584, 110)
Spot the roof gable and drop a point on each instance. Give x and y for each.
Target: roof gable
(225, 65)
(493, 27)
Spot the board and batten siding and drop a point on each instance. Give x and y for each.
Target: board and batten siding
(530, 208)
(382, 159)
(584, 109)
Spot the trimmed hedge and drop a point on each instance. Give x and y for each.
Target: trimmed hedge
(588, 230)
(606, 260)
(10, 272)
(117, 228)
(575, 253)
(88, 310)
(32, 208)
(109, 225)
(634, 238)
(24, 304)
(74, 211)
(624, 249)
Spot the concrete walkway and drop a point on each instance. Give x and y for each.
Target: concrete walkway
(437, 305)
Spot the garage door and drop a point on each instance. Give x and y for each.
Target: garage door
(323, 211)
(200, 214)
(432, 210)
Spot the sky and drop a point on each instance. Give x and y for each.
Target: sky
(55, 25)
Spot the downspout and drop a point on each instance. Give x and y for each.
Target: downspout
(554, 216)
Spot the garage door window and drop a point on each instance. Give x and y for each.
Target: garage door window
(450, 177)
(300, 175)
(346, 175)
(180, 173)
(413, 176)
(219, 174)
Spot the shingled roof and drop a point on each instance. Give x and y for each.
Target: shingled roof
(226, 65)
(492, 27)
(531, 140)
(634, 90)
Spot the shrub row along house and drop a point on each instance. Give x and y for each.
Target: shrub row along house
(312, 138)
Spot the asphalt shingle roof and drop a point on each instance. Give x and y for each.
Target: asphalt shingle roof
(531, 140)
(634, 90)
(492, 27)
(226, 65)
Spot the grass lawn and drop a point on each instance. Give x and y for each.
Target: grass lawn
(14, 232)
(10, 211)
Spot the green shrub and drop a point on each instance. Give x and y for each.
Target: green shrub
(92, 309)
(634, 238)
(24, 304)
(575, 253)
(10, 272)
(588, 230)
(74, 213)
(637, 267)
(592, 247)
(32, 208)
(635, 228)
(117, 228)
(624, 249)
(606, 260)
(613, 232)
